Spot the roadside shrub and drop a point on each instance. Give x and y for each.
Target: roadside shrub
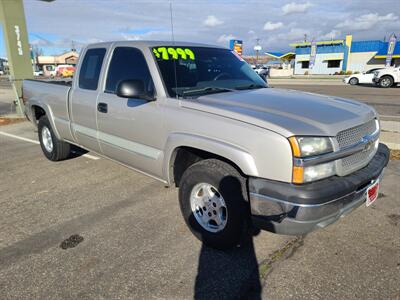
(306, 73)
(336, 73)
(342, 72)
(349, 72)
(356, 72)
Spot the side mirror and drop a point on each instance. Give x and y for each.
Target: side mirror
(133, 89)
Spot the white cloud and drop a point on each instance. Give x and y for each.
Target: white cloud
(225, 38)
(130, 37)
(295, 8)
(212, 21)
(367, 21)
(330, 35)
(295, 34)
(269, 26)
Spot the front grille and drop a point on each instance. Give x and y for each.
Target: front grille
(353, 135)
(350, 137)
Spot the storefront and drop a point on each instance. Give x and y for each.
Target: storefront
(339, 56)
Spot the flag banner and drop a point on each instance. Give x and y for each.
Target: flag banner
(313, 54)
(391, 46)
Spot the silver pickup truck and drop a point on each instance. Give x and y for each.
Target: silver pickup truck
(198, 117)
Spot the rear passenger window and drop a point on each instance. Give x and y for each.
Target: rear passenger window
(128, 63)
(90, 69)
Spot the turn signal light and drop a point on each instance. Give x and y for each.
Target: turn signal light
(298, 174)
(295, 146)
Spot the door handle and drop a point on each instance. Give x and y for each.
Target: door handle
(102, 107)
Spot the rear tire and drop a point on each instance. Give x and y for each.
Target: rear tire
(53, 148)
(213, 202)
(353, 81)
(386, 82)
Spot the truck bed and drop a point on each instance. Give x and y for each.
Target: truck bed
(52, 96)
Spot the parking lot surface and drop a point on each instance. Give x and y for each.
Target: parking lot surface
(136, 245)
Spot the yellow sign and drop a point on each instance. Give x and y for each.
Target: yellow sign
(167, 53)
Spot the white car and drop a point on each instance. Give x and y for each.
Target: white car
(364, 77)
(387, 77)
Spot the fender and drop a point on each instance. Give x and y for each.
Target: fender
(49, 114)
(237, 155)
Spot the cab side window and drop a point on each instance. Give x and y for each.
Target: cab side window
(128, 63)
(90, 69)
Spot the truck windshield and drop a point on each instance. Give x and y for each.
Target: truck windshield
(196, 71)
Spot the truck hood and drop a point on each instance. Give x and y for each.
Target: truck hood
(287, 112)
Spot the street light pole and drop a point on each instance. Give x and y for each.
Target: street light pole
(257, 48)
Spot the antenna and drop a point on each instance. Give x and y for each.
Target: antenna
(172, 23)
(173, 43)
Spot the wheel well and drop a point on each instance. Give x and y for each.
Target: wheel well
(388, 76)
(38, 112)
(184, 157)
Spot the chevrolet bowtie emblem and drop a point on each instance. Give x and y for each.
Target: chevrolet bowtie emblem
(367, 143)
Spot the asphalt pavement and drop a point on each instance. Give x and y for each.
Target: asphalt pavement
(129, 240)
(135, 244)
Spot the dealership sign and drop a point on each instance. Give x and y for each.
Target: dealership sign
(391, 46)
(237, 46)
(313, 54)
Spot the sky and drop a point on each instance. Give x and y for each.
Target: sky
(56, 25)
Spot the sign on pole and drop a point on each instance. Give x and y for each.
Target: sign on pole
(12, 17)
(391, 46)
(313, 54)
(237, 46)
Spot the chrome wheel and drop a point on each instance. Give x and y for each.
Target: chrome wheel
(385, 82)
(47, 140)
(208, 207)
(353, 81)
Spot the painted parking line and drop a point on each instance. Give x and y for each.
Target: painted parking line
(37, 143)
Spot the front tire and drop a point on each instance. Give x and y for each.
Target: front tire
(53, 148)
(386, 82)
(353, 81)
(213, 202)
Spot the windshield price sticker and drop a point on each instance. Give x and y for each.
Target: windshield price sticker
(167, 53)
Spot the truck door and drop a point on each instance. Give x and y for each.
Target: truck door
(130, 130)
(83, 103)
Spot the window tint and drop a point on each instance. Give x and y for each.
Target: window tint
(126, 64)
(90, 70)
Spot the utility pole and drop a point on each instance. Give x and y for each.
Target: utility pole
(257, 48)
(19, 59)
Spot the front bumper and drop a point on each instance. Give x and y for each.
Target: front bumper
(291, 209)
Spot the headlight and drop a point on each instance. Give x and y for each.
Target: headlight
(303, 147)
(313, 173)
(309, 146)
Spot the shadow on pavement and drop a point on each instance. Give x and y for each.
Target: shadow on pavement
(230, 274)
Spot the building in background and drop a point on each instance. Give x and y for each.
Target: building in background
(48, 64)
(338, 56)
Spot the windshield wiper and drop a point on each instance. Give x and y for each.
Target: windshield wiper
(206, 90)
(250, 86)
